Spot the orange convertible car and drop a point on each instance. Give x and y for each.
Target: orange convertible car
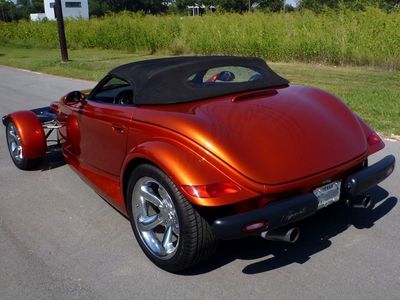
(197, 149)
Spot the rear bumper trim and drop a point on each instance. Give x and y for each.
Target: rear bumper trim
(366, 179)
(276, 214)
(283, 212)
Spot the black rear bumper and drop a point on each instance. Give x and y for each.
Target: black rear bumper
(276, 214)
(286, 211)
(364, 180)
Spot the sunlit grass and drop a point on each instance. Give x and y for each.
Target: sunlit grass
(336, 37)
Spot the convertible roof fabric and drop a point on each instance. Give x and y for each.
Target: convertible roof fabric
(165, 81)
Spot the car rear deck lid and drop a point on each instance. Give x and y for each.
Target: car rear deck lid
(255, 94)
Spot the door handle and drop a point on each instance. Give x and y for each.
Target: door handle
(119, 128)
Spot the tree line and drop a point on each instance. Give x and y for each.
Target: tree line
(11, 12)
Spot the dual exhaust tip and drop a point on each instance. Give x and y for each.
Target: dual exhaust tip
(360, 202)
(291, 235)
(282, 235)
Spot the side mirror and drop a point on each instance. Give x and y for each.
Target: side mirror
(75, 97)
(226, 76)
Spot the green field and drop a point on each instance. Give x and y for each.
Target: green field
(373, 93)
(336, 37)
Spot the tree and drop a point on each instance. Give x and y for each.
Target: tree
(100, 7)
(37, 6)
(10, 12)
(234, 5)
(183, 4)
(271, 5)
(153, 6)
(317, 5)
(320, 5)
(7, 11)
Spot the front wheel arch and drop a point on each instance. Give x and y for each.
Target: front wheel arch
(15, 145)
(31, 132)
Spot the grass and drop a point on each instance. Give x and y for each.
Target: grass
(372, 93)
(90, 64)
(338, 37)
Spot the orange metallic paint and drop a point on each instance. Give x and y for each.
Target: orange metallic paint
(32, 135)
(268, 143)
(104, 130)
(368, 132)
(183, 165)
(270, 140)
(106, 185)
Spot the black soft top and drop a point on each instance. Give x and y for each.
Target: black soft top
(165, 81)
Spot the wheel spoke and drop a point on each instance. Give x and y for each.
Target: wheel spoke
(155, 246)
(167, 240)
(13, 135)
(155, 218)
(163, 193)
(14, 143)
(15, 150)
(148, 195)
(175, 229)
(149, 223)
(19, 153)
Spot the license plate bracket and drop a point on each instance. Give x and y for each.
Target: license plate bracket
(328, 193)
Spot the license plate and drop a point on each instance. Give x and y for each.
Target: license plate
(328, 194)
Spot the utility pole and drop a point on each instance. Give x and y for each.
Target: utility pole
(61, 32)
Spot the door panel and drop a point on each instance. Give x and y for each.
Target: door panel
(103, 135)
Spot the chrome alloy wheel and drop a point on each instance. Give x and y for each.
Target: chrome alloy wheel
(155, 218)
(14, 142)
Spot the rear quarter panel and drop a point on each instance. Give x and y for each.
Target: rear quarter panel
(176, 157)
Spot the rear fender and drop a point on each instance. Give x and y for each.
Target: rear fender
(33, 139)
(184, 167)
(368, 131)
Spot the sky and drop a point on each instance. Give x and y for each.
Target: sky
(291, 2)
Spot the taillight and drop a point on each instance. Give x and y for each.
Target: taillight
(373, 139)
(211, 190)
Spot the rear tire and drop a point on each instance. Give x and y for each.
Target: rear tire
(170, 231)
(16, 151)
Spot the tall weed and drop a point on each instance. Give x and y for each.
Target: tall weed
(370, 37)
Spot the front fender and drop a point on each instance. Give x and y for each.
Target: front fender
(33, 139)
(184, 167)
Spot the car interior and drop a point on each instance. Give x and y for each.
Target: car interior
(225, 75)
(114, 91)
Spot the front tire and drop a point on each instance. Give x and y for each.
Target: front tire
(16, 150)
(170, 231)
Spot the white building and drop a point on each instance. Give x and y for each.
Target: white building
(37, 16)
(70, 9)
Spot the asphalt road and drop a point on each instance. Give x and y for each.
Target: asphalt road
(60, 240)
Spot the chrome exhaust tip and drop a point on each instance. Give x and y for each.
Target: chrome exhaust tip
(360, 202)
(282, 235)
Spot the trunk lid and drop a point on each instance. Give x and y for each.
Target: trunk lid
(271, 138)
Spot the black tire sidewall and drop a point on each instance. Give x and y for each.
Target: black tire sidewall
(180, 257)
(22, 164)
